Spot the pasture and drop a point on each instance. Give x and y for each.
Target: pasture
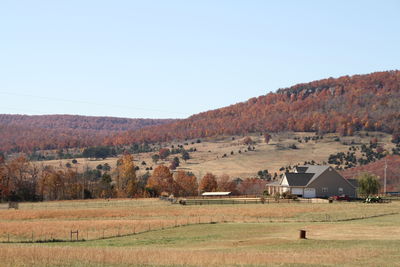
(272, 156)
(151, 232)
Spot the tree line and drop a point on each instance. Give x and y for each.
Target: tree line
(23, 180)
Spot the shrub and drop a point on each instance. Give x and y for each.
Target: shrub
(248, 141)
(368, 184)
(292, 146)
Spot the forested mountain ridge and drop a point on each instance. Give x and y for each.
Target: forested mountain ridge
(343, 105)
(79, 122)
(25, 133)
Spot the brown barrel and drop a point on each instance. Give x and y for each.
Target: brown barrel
(302, 234)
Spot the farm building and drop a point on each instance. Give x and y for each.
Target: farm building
(311, 181)
(216, 194)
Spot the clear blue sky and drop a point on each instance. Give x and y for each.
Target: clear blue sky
(163, 59)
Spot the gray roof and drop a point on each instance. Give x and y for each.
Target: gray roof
(317, 170)
(298, 179)
(306, 174)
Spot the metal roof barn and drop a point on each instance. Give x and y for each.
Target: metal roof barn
(214, 194)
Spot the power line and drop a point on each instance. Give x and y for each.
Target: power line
(24, 110)
(87, 103)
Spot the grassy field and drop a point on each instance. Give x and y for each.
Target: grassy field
(344, 234)
(272, 156)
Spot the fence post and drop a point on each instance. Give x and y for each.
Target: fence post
(75, 232)
(32, 237)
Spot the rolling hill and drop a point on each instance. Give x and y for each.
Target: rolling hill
(25, 133)
(342, 105)
(377, 168)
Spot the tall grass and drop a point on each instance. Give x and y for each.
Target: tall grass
(27, 255)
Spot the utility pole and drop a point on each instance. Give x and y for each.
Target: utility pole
(384, 177)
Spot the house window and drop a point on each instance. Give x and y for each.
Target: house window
(340, 190)
(324, 189)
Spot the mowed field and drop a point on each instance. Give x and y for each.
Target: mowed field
(272, 156)
(152, 232)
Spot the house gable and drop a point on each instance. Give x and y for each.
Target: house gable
(284, 181)
(331, 183)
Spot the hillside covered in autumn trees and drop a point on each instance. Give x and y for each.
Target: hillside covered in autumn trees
(342, 105)
(26, 133)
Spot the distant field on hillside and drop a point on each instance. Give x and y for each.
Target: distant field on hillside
(344, 234)
(272, 156)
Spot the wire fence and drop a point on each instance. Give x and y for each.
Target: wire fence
(141, 227)
(68, 230)
(83, 204)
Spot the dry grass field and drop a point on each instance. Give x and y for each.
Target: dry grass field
(272, 156)
(345, 234)
(98, 218)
